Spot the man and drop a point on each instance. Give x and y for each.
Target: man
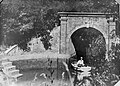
(80, 62)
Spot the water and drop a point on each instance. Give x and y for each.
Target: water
(35, 77)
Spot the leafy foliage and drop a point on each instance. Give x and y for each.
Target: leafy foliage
(106, 73)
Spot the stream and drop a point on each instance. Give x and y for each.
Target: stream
(43, 77)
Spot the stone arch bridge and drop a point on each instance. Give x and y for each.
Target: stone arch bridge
(72, 21)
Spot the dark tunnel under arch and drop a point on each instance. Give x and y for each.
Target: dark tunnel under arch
(88, 43)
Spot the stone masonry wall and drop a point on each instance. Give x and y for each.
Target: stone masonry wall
(69, 24)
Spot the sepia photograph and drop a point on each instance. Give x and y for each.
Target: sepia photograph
(59, 42)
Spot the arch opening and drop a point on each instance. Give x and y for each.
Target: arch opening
(89, 43)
